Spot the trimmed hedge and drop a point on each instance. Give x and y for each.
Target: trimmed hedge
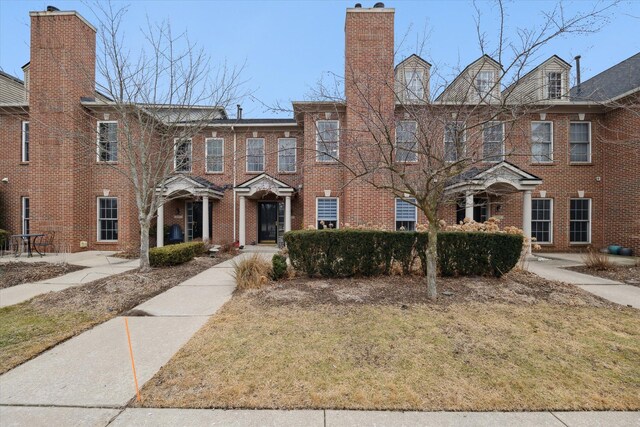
(345, 253)
(175, 254)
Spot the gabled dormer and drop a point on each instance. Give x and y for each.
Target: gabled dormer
(547, 83)
(479, 82)
(412, 80)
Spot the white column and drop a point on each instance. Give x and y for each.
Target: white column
(160, 226)
(287, 213)
(205, 218)
(468, 205)
(241, 222)
(526, 217)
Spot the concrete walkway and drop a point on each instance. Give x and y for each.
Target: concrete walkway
(553, 267)
(100, 264)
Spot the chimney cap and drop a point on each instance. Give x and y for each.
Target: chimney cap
(52, 9)
(577, 57)
(379, 5)
(358, 5)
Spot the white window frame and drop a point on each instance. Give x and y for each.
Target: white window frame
(24, 156)
(98, 219)
(100, 122)
(589, 222)
(533, 160)
(295, 155)
(478, 93)
(548, 86)
(206, 154)
(395, 215)
(264, 155)
(414, 153)
(550, 242)
(464, 140)
(590, 143)
(23, 217)
(337, 210)
(502, 154)
(417, 75)
(318, 152)
(175, 154)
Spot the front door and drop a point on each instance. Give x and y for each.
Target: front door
(267, 222)
(195, 220)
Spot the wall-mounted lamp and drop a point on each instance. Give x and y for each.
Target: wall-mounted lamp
(177, 211)
(5, 180)
(498, 207)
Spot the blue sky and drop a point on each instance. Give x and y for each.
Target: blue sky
(289, 45)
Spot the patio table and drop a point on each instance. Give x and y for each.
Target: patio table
(30, 238)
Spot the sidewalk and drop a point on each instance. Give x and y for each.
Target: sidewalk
(99, 264)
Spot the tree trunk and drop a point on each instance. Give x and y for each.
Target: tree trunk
(144, 246)
(432, 262)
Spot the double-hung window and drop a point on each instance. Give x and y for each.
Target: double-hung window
(327, 140)
(26, 215)
(326, 212)
(542, 220)
(493, 138)
(554, 85)
(454, 141)
(25, 141)
(182, 155)
(580, 221)
(484, 83)
(542, 142)
(406, 141)
(406, 214)
(255, 154)
(414, 81)
(214, 154)
(107, 219)
(286, 155)
(580, 142)
(107, 141)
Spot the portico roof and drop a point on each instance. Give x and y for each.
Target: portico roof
(264, 183)
(503, 173)
(190, 185)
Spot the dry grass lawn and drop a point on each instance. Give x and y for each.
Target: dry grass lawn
(528, 345)
(16, 273)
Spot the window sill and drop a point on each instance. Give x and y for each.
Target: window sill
(579, 243)
(580, 163)
(253, 172)
(24, 163)
(551, 163)
(106, 242)
(107, 163)
(287, 173)
(214, 173)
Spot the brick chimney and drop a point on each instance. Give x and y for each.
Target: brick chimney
(61, 71)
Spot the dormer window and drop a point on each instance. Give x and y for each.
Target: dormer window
(484, 83)
(554, 85)
(414, 81)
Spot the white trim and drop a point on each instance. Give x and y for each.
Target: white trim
(492, 85)
(396, 142)
(588, 242)
(503, 154)
(551, 221)
(295, 155)
(22, 150)
(23, 199)
(531, 141)
(546, 86)
(571, 162)
(408, 93)
(175, 149)
(337, 210)
(395, 211)
(98, 123)
(206, 155)
(264, 156)
(98, 217)
(337, 156)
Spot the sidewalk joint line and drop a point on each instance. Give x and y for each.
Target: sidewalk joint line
(557, 418)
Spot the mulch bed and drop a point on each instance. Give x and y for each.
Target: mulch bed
(16, 273)
(622, 273)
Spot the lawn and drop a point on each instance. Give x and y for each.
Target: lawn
(29, 328)
(516, 343)
(16, 273)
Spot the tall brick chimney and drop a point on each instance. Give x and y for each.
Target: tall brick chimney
(62, 70)
(369, 91)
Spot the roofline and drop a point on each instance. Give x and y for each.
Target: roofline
(12, 77)
(534, 69)
(411, 56)
(63, 13)
(606, 70)
(465, 69)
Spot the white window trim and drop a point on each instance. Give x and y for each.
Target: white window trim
(98, 218)
(492, 86)
(396, 143)
(23, 206)
(98, 140)
(175, 150)
(395, 209)
(546, 85)
(23, 151)
(551, 148)
(590, 143)
(503, 155)
(464, 140)
(588, 242)
(410, 96)
(206, 155)
(295, 156)
(550, 242)
(264, 156)
(318, 153)
(337, 210)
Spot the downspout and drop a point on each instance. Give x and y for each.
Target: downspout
(235, 239)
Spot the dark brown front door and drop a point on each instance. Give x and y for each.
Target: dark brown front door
(267, 222)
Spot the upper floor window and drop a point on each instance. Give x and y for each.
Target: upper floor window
(484, 83)
(182, 155)
(493, 147)
(406, 214)
(542, 141)
(214, 154)
(580, 142)
(554, 85)
(327, 212)
(327, 140)
(414, 83)
(255, 155)
(406, 141)
(107, 141)
(286, 155)
(107, 219)
(454, 141)
(25, 141)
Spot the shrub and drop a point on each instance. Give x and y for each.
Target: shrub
(251, 272)
(597, 260)
(175, 254)
(4, 239)
(278, 266)
(353, 252)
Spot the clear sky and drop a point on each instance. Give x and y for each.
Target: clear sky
(288, 45)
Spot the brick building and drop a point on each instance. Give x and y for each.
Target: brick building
(566, 171)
